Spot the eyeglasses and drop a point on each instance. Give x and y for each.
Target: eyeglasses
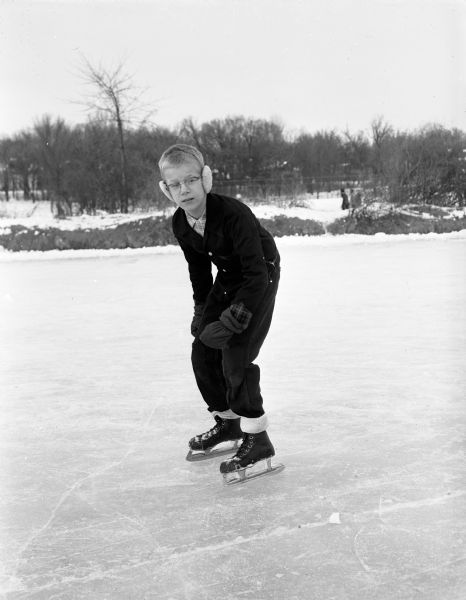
(189, 182)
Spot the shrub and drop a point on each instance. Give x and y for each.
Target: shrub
(282, 225)
(153, 231)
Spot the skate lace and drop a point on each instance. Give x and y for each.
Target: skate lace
(246, 446)
(213, 431)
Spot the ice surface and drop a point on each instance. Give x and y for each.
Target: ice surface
(364, 381)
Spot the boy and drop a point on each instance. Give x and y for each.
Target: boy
(232, 314)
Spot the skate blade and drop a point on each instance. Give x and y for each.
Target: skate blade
(219, 450)
(253, 472)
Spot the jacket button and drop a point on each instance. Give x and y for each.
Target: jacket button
(224, 270)
(209, 253)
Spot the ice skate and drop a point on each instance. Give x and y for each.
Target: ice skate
(253, 459)
(222, 438)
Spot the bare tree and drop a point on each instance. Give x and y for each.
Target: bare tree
(116, 97)
(381, 134)
(191, 131)
(357, 150)
(6, 152)
(52, 146)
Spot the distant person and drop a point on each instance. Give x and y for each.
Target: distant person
(345, 202)
(232, 314)
(356, 201)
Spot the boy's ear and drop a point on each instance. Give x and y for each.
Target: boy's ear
(163, 187)
(206, 175)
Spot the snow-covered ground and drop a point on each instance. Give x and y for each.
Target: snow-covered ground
(326, 208)
(364, 382)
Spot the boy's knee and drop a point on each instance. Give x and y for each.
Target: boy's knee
(202, 354)
(234, 376)
(237, 374)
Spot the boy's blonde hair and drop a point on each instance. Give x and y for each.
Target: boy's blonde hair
(178, 154)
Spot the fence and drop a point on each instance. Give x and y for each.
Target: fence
(265, 189)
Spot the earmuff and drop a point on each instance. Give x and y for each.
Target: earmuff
(206, 175)
(206, 178)
(163, 187)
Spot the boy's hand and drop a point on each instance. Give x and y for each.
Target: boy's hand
(198, 311)
(216, 335)
(234, 319)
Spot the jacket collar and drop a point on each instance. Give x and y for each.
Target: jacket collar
(214, 217)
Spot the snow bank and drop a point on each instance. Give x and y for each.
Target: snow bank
(45, 220)
(324, 210)
(20, 212)
(321, 240)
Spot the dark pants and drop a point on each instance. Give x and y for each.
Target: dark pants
(228, 379)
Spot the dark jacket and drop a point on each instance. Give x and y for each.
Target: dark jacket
(236, 243)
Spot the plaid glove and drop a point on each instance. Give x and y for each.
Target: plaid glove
(236, 317)
(198, 312)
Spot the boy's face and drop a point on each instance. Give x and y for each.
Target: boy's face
(184, 183)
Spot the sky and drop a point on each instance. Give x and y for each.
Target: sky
(310, 64)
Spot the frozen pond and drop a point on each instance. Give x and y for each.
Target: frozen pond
(363, 377)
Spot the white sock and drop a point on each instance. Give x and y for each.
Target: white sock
(256, 425)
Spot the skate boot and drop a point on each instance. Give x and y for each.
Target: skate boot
(206, 444)
(256, 448)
